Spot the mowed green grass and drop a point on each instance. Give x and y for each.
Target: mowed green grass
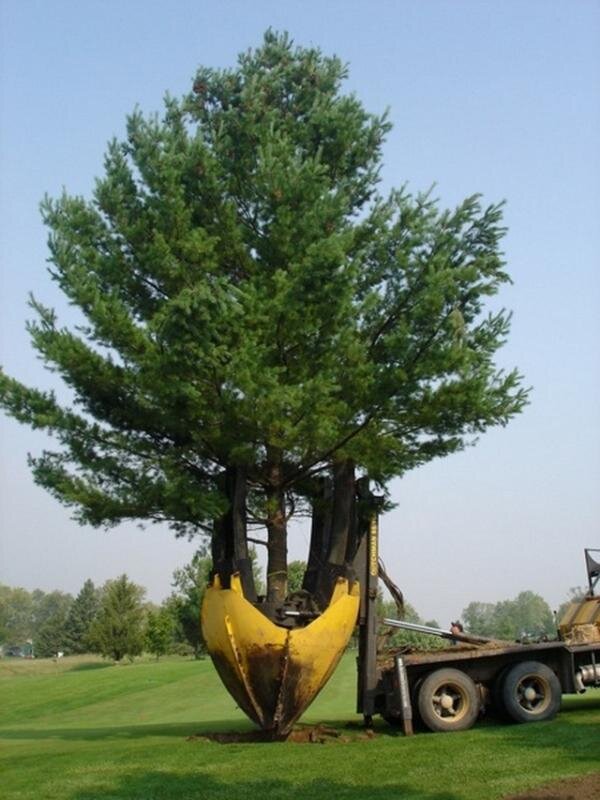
(81, 729)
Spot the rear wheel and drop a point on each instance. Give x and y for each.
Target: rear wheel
(531, 692)
(496, 693)
(448, 701)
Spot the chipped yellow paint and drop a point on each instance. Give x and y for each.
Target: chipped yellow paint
(274, 673)
(581, 621)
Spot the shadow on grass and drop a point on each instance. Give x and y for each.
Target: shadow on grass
(88, 667)
(201, 785)
(177, 729)
(350, 730)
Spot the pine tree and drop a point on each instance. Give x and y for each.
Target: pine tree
(81, 615)
(51, 637)
(118, 629)
(258, 315)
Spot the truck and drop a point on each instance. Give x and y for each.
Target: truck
(449, 689)
(274, 658)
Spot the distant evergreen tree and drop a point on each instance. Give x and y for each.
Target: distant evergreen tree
(51, 637)
(81, 615)
(118, 630)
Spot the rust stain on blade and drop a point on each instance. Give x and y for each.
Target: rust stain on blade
(274, 673)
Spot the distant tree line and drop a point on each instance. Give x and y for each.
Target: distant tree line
(526, 616)
(114, 620)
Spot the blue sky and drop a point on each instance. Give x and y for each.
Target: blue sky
(501, 98)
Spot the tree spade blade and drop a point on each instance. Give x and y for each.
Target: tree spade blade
(274, 673)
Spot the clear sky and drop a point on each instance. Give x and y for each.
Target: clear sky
(501, 98)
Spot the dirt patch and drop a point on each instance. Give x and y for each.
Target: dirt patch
(584, 787)
(301, 734)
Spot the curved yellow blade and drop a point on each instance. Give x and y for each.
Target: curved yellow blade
(274, 673)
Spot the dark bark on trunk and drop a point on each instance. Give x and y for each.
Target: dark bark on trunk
(229, 544)
(343, 510)
(276, 529)
(320, 533)
(361, 518)
(340, 532)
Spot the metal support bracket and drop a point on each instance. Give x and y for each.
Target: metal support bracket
(404, 697)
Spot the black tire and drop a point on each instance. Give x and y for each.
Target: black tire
(448, 701)
(497, 702)
(531, 692)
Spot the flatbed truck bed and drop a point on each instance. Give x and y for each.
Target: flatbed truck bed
(447, 690)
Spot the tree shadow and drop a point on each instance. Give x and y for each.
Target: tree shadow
(203, 785)
(346, 730)
(92, 666)
(181, 730)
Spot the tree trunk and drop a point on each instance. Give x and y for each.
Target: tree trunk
(338, 533)
(320, 533)
(276, 529)
(343, 510)
(229, 543)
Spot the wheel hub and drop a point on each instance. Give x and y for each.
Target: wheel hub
(530, 693)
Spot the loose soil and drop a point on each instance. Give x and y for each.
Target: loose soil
(305, 734)
(585, 787)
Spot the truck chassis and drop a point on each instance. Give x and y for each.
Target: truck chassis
(447, 690)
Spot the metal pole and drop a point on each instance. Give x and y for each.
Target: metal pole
(413, 626)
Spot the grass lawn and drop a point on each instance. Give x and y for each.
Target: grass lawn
(81, 729)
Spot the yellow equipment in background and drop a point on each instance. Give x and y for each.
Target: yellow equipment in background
(274, 673)
(580, 624)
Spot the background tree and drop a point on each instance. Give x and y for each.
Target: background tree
(253, 304)
(35, 616)
(159, 632)
(190, 583)
(118, 629)
(50, 611)
(295, 575)
(81, 614)
(395, 637)
(478, 618)
(528, 614)
(16, 615)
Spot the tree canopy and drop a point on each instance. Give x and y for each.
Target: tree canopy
(253, 303)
